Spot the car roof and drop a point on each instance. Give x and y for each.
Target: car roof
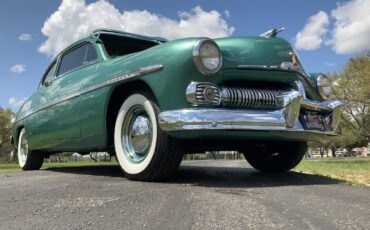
(96, 33)
(126, 34)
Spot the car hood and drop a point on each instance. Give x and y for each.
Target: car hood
(238, 51)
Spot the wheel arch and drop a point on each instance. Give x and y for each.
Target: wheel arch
(118, 95)
(16, 134)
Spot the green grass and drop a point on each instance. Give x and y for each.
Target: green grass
(353, 170)
(5, 168)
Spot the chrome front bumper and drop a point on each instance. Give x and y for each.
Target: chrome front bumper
(285, 119)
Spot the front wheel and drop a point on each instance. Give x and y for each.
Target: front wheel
(28, 159)
(143, 150)
(275, 156)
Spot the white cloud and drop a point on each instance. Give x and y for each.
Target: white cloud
(25, 37)
(18, 68)
(75, 19)
(330, 64)
(311, 36)
(227, 13)
(351, 31)
(15, 103)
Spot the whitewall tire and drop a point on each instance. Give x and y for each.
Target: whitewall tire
(27, 158)
(143, 150)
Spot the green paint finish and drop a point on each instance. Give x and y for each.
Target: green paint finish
(70, 114)
(254, 51)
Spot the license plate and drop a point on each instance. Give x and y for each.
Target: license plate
(312, 121)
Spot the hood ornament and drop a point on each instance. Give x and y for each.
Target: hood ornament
(272, 33)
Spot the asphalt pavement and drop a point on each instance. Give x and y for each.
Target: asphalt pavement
(201, 195)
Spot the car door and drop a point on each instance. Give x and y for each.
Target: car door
(36, 121)
(63, 95)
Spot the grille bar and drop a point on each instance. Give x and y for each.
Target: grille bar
(243, 98)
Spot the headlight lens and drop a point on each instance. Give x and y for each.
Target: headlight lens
(207, 56)
(324, 86)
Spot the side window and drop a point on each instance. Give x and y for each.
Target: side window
(50, 74)
(76, 58)
(90, 54)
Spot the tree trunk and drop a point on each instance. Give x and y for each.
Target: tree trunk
(333, 152)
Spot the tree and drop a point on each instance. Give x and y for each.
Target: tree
(6, 116)
(347, 139)
(352, 86)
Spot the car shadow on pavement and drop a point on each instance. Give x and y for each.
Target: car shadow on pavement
(213, 176)
(244, 178)
(98, 170)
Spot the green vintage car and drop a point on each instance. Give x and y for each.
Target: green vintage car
(149, 101)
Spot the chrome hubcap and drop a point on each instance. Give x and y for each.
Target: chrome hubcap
(136, 134)
(141, 134)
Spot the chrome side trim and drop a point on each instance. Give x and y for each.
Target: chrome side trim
(285, 66)
(150, 69)
(119, 78)
(302, 76)
(261, 67)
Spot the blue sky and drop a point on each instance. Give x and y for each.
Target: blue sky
(23, 61)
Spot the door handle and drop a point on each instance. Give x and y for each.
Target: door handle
(47, 83)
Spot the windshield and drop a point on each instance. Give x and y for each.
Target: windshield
(118, 45)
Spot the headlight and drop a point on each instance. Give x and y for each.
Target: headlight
(207, 56)
(324, 86)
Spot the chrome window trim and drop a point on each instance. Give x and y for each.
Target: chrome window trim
(51, 65)
(61, 56)
(117, 78)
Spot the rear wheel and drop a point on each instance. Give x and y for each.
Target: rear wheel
(143, 150)
(275, 156)
(27, 158)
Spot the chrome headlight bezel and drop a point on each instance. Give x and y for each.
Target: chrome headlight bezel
(324, 86)
(199, 62)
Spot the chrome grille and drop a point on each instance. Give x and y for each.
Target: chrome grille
(202, 97)
(210, 94)
(199, 93)
(243, 98)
